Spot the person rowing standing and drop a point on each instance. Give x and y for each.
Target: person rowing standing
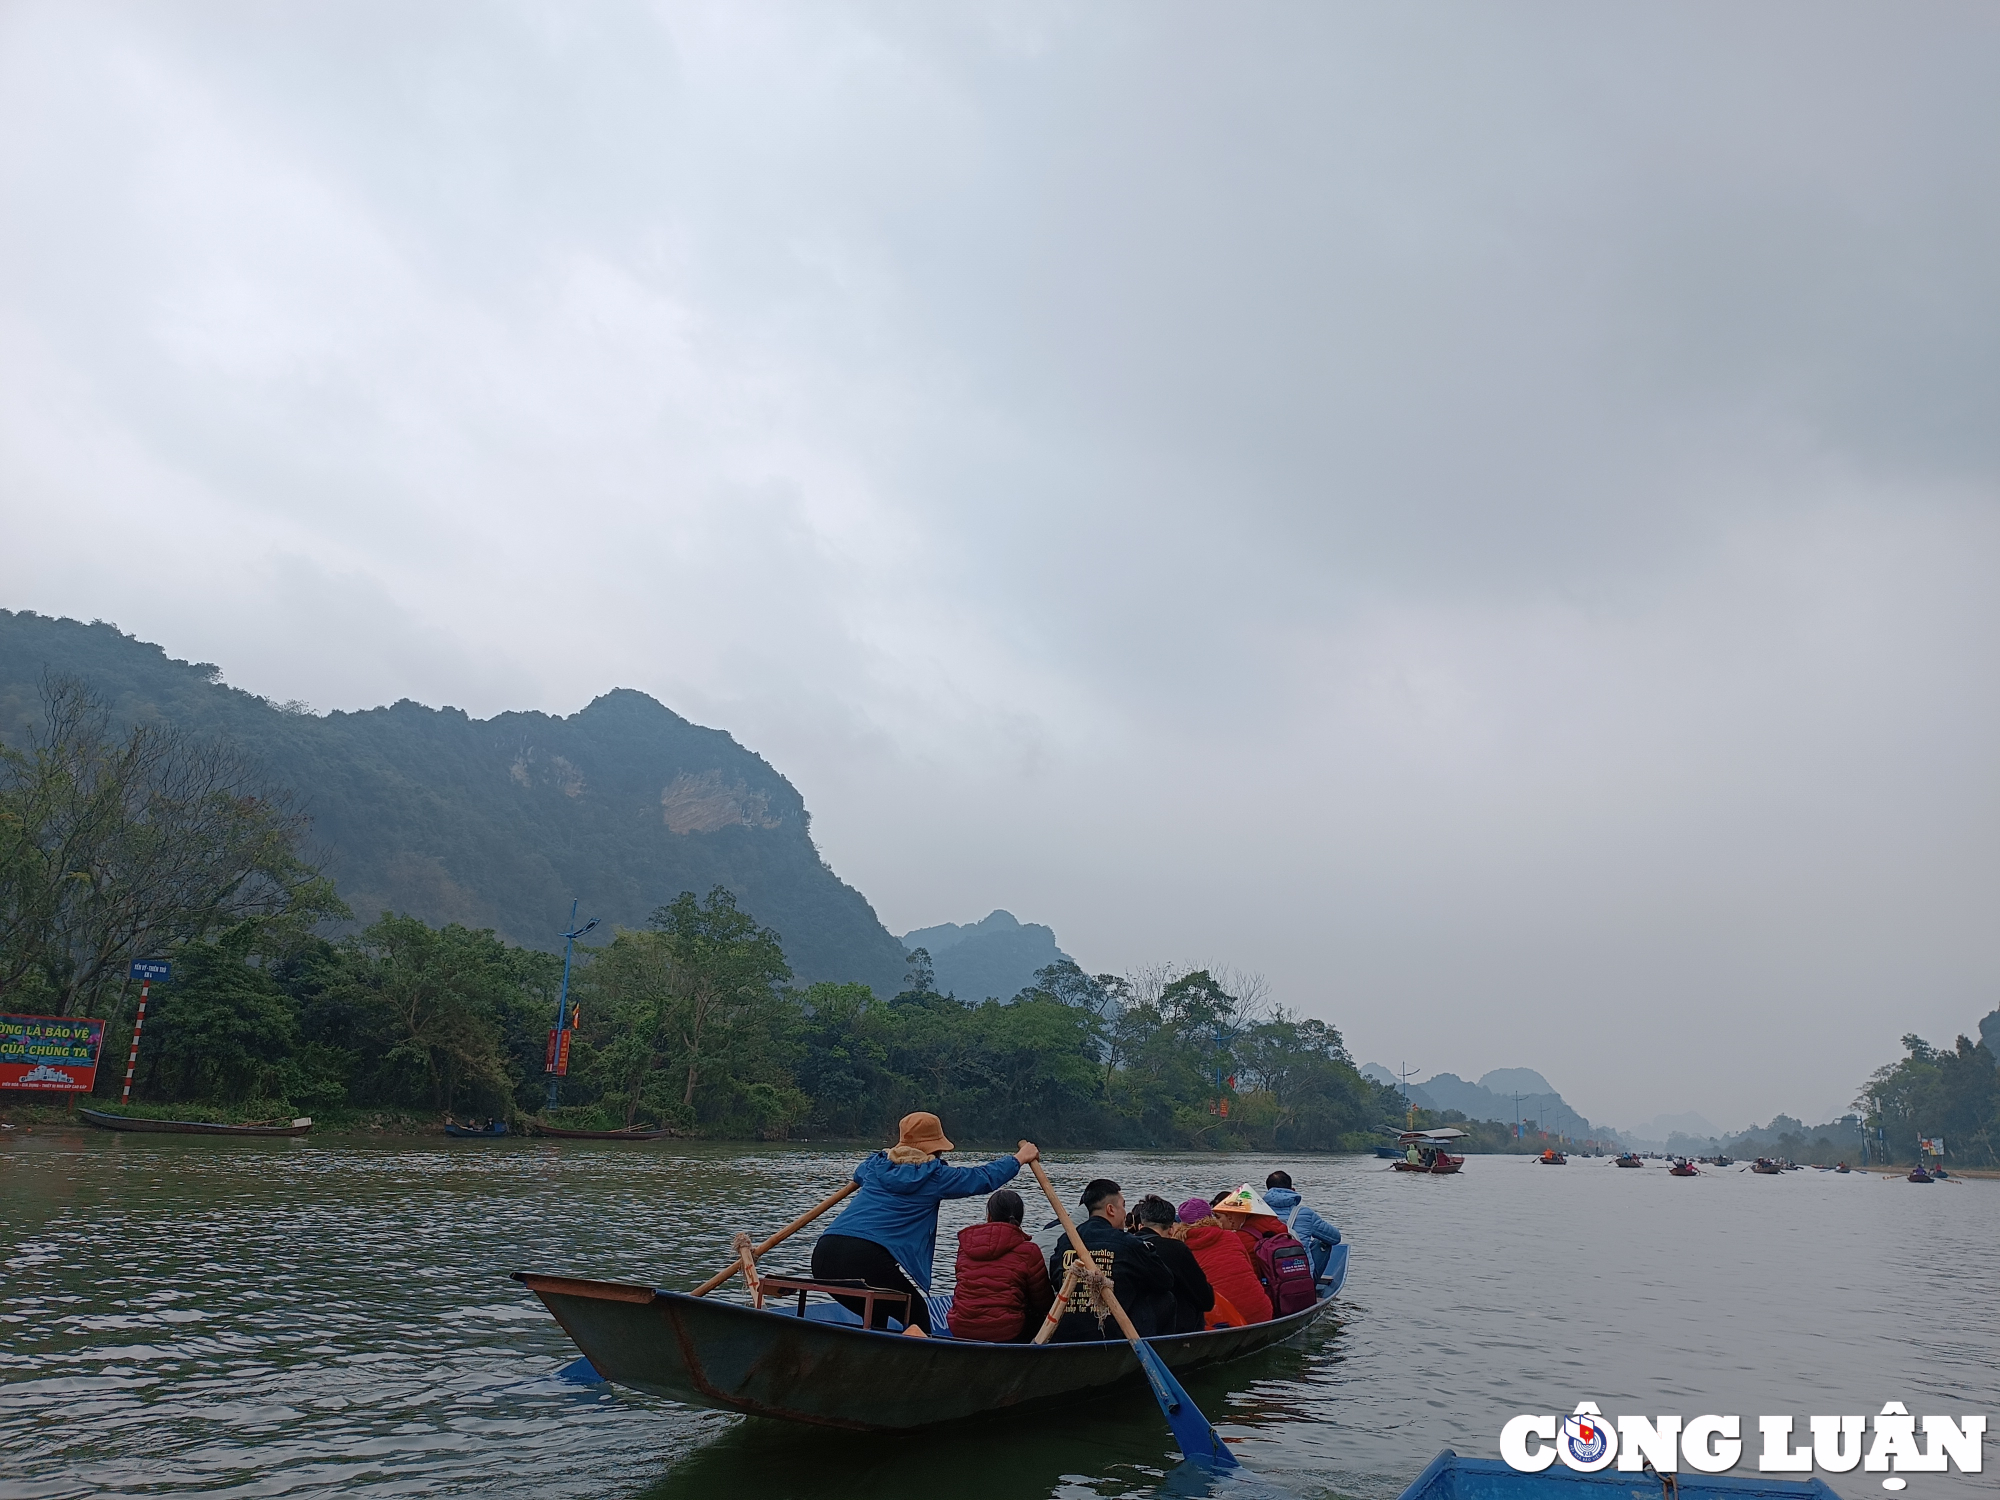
(887, 1237)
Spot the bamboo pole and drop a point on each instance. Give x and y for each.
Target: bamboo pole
(782, 1235)
(1048, 1329)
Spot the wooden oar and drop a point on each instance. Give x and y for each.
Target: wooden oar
(1200, 1443)
(782, 1235)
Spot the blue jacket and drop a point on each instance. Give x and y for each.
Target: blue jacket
(1309, 1229)
(897, 1206)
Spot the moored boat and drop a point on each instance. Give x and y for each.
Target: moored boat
(491, 1130)
(774, 1363)
(140, 1126)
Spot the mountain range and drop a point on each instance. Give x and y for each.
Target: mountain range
(497, 822)
(995, 958)
(1505, 1094)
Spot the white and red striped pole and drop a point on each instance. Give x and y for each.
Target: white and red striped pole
(132, 1062)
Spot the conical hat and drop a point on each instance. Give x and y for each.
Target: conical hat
(1245, 1200)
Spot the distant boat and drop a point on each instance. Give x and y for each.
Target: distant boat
(1553, 1158)
(1629, 1159)
(1763, 1166)
(1424, 1151)
(136, 1124)
(1843, 1167)
(492, 1130)
(600, 1135)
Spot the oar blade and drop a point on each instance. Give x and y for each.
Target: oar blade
(1199, 1442)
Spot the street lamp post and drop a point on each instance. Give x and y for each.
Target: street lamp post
(558, 1060)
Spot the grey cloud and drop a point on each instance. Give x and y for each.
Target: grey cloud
(1484, 516)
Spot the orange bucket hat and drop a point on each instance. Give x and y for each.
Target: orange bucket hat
(922, 1131)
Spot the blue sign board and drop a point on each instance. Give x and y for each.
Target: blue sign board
(153, 970)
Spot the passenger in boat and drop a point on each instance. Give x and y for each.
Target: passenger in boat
(1228, 1267)
(1186, 1310)
(1139, 1278)
(887, 1236)
(1003, 1288)
(1307, 1227)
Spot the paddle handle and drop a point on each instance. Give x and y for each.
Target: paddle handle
(1083, 1254)
(780, 1237)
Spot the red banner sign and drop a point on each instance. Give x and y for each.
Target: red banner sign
(557, 1060)
(54, 1054)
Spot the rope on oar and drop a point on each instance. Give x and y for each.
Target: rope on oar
(779, 1238)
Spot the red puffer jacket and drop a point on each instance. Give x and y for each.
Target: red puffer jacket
(1229, 1270)
(1003, 1288)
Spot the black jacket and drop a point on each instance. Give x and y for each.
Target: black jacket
(1141, 1280)
(1191, 1296)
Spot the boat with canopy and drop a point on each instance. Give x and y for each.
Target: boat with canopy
(1425, 1151)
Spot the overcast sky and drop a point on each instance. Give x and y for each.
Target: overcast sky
(1486, 515)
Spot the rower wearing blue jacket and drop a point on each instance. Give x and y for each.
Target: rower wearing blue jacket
(887, 1236)
(1308, 1228)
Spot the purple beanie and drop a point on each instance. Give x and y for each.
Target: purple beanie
(1195, 1210)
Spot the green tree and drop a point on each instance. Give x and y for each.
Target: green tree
(121, 847)
(723, 975)
(432, 1008)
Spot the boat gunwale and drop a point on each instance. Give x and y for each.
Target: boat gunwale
(640, 1293)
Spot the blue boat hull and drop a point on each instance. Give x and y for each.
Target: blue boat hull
(1450, 1477)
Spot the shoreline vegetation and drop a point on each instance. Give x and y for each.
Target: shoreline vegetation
(147, 843)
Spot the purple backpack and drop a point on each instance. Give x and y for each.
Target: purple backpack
(1287, 1273)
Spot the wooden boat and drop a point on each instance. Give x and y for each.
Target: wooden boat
(1629, 1159)
(1430, 1147)
(141, 1126)
(1450, 1477)
(1684, 1169)
(1553, 1158)
(772, 1363)
(490, 1132)
(600, 1135)
(1763, 1166)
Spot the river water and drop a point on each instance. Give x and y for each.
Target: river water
(250, 1318)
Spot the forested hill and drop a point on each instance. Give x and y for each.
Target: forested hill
(498, 822)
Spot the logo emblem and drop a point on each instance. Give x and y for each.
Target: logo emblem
(1585, 1442)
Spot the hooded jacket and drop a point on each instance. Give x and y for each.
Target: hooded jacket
(1003, 1287)
(897, 1206)
(1230, 1270)
(1317, 1234)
